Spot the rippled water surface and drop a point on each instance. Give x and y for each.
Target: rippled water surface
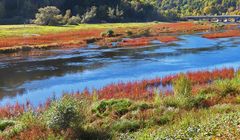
(38, 75)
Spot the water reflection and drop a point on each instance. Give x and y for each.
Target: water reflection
(36, 75)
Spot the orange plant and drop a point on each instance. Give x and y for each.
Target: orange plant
(146, 40)
(230, 33)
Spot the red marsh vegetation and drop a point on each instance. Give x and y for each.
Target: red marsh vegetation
(76, 38)
(82, 37)
(145, 40)
(137, 90)
(229, 33)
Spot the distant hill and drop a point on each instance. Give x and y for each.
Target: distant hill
(19, 11)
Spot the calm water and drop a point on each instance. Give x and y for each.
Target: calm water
(38, 75)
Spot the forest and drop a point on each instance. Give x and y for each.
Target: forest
(21, 11)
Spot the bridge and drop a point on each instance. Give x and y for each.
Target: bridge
(220, 18)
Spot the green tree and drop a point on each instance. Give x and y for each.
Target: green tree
(67, 16)
(89, 15)
(115, 13)
(48, 16)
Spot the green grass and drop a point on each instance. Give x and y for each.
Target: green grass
(220, 121)
(21, 30)
(181, 116)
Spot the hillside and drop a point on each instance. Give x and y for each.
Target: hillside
(19, 11)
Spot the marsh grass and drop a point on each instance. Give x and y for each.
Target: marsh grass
(29, 30)
(188, 114)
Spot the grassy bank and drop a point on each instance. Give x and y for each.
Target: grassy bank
(27, 37)
(200, 105)
(21, 30)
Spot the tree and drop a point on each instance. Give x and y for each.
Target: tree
(74, 20)
(67, 16)
(207, 10)
(89, 15)
(49, 15)
(115, 13)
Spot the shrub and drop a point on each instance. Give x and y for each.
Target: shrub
(29, 118)
(64, 114)
(164, 118)
(108, 33)
(228, 86)
(196, 101)
(6, 123)
(172, 101)
(13, 128)
(48, 16)
(129, 33)
(126, 125)
(74, 20)
(95, 133)
(182, 86)
(143, 106)
(119, 107)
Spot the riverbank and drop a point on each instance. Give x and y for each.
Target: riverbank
(52, 72)
(200, 105)
(28, 37)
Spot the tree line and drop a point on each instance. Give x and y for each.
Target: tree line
(20, 11)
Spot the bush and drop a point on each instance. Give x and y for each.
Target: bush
(119, 107)
(126, 126)
(28, 118)
(13, 128)
(108, 33)
(6, 123)
(64, 114)
(48, 16)
(95, 133)
(172, 101)
(228, 86)
(143, 106)
(196, 101)
(129, 33)
(164, 118)
(182, 86)
(74, 20)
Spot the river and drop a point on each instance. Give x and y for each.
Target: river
(37, 75)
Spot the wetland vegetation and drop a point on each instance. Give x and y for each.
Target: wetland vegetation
(142, 79)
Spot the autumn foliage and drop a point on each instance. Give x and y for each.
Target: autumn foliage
(120, 100)
(230, 33)
(142, 41)
(80, 38)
